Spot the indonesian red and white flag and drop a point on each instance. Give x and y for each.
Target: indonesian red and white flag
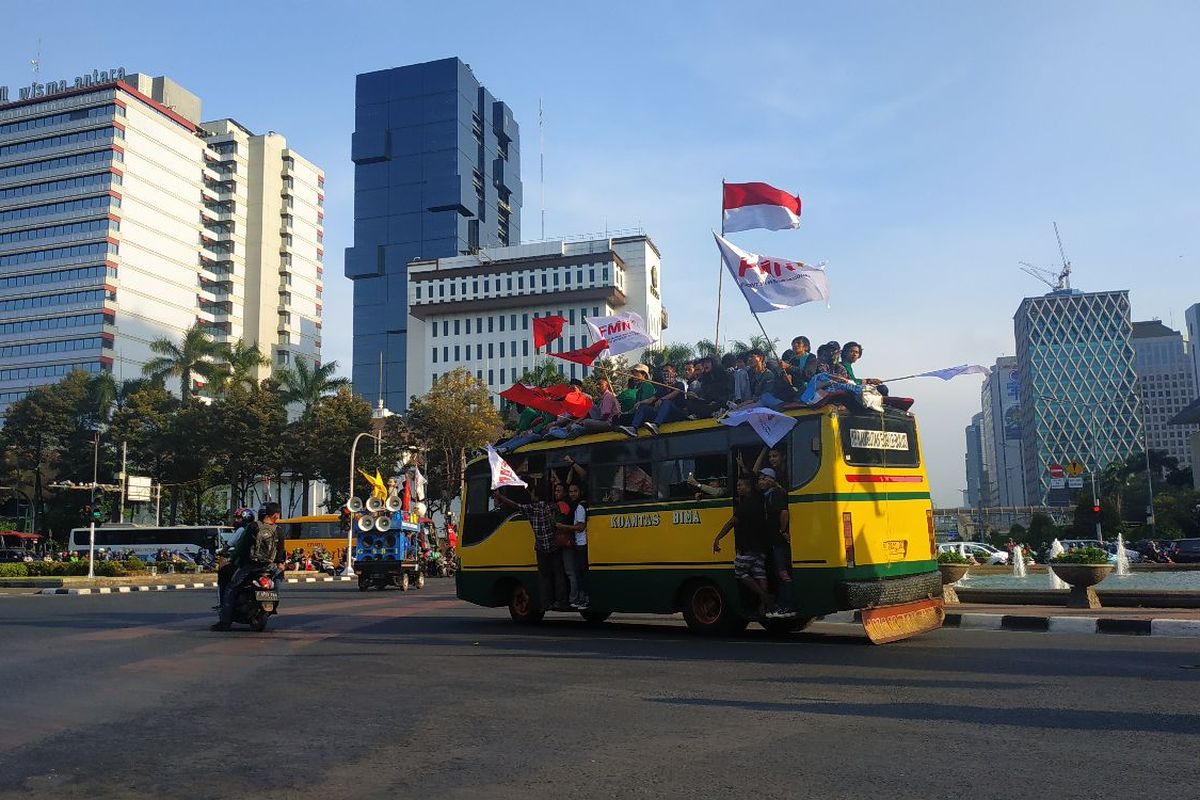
(769, 284)
(624, 331)
(502, 473)
(758, 205)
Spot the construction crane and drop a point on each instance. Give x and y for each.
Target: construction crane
(1058, 281)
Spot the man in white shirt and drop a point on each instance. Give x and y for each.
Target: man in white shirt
(580, 551)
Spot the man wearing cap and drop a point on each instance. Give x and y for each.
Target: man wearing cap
(776, 524)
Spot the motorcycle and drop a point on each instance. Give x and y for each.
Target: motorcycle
(256, 601)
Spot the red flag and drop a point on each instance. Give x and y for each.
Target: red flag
(548, 399)
(584, 355)
(546, 330)
(758, 205)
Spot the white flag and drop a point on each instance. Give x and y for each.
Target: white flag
(771, 426)
(624, 332)
(502, 473)
(770, 284)
(953, 372)
(419, 483)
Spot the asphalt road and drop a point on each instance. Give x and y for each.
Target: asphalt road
(416, 694)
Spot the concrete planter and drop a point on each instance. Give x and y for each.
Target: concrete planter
(1082, 577)
(951, 574)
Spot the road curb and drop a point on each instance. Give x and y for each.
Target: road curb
(1033, 623)
(171, 587)
(158, 587)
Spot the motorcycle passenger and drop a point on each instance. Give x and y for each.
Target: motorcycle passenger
(260, 546)
(238, 546)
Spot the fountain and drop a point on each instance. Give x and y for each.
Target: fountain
(1056, 549)
(1018, 561)
(1122, 557)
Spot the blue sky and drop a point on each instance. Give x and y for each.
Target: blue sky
(933, 143)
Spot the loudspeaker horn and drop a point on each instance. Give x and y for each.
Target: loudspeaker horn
(394, 503)
(383, 523)
(354, 504)
(366, 523)
(374, 504)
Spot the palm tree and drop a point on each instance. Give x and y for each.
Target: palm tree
(241, 360)
(658, 357)
(759, 342)
(307, 385)
(706, 347)
(194, 354)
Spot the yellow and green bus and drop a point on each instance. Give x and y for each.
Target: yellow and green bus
(861, 521)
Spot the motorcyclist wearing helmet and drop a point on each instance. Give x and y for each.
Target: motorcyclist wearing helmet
(239, 546)
(243, 562)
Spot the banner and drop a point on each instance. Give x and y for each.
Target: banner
(746, 206)
(502, 473)
(771, 426)
(546, 330)
(770, 284)
(623, 332)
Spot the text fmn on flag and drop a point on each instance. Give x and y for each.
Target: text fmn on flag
(770, 284)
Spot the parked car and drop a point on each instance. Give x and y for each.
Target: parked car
(1187, 551)
(983, 553)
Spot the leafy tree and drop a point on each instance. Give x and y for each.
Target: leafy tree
(453, 418)
(248, 427)
(545, 372)
(307, 385)
(1042, 531)
(658, 357)
(241, 362)
(196, 354)
(707, 347)
(37, 429)
(334, 423)
(760, 342)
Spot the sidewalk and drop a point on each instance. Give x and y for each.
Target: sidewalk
(136, 583)
(1059, 619)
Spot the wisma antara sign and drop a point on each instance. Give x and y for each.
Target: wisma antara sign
(35, 90)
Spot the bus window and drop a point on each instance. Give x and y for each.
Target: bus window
(711, 469)
(805, 451)
(879, 440)
(622, 473)
(480, 518)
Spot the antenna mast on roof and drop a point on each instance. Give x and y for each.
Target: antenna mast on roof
(1057, 281)
(37, 62)
(542, 165)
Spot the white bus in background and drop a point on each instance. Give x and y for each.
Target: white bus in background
(147, 541)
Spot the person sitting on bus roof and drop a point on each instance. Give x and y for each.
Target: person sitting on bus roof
(735, 367)
(852, 352)
(600, 418)
(639, 392)
(666, 406)
(749, 541)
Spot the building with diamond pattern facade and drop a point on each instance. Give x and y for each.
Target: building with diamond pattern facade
(1078, 385)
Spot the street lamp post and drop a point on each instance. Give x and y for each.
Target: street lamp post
(92, 508)
(378, 437)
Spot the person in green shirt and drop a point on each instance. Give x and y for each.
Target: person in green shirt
(852, 352)
(640, 392)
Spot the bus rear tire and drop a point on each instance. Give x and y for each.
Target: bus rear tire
(522, 607)
(595, 617)
(707, 612)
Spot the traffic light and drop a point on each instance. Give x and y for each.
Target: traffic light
(97, 513)
(345, 520)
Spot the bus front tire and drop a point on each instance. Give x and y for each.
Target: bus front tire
(707, 612)
(522, 607)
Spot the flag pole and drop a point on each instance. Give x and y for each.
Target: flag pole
(720, 274)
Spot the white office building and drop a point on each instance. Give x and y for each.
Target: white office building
(1167, 384)
(123, 219)
(476, 311)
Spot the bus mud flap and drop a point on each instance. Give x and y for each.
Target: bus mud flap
(892, 623)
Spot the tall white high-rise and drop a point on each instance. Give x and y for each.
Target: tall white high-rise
(124, 219)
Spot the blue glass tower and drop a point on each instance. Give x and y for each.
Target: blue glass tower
(436, 174)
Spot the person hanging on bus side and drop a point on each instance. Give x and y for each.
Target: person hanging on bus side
(772, 457)
(543, 519)
(564, 542)
(776, 519)
(749, 541)
(581, 597)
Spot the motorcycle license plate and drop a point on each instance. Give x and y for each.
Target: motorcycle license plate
(267, 597)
